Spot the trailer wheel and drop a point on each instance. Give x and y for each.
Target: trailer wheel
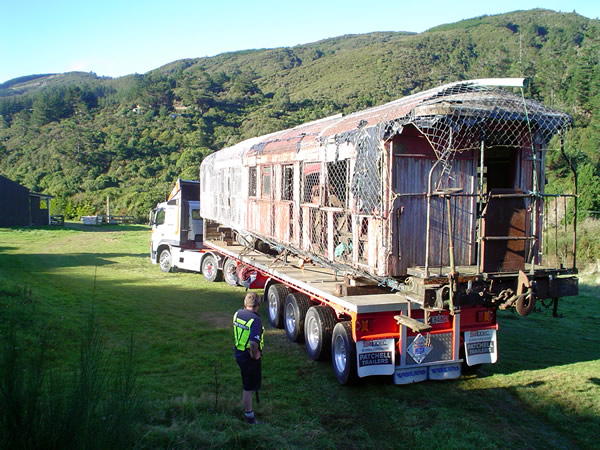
(318, 331)
(275, 299)
(295, 308)
(210, 269)
(343, 353)
(164, 261)
(229, 272)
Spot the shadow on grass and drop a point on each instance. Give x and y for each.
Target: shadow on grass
(97, 405)
(56, 260)
(105, 228)
(73, 226)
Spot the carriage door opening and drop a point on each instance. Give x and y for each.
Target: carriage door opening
(503, 211)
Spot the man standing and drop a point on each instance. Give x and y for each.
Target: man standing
(248, 335)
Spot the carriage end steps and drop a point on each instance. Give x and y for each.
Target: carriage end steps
(413, 324)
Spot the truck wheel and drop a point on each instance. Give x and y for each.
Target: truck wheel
(229, 272)
(295, 308)
(275, 299)
(343, 353)
(210, 269)
(164, 261)
(318, 330)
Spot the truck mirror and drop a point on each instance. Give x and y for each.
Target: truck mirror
(151, 217)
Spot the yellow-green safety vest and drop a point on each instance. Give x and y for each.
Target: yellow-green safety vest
(241, 333)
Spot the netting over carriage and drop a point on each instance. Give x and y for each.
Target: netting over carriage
(462, 118)
(370, 191)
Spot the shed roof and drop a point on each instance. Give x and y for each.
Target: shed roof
(44, 196)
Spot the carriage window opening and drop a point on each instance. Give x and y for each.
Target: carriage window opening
(500, 168)
(337, 183)
(287, 188)
(252, 182)
(311, 177)
(266, 181)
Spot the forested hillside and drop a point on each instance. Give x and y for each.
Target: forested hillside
(80, 137)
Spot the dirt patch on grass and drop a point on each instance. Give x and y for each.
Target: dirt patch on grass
(216, 319)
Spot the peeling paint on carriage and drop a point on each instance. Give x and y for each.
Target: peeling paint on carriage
(368, 192)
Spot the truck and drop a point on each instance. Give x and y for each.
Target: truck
(386, 240)
(177, 240)
(177, 230)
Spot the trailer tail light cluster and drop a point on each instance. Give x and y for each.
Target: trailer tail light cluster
(484, 316)
(363, 325)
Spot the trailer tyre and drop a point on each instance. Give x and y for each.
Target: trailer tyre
(164, 261)
(295, 307)
(210, 269)
(343, 353)
(275, 301)
(230, 272)
(318, 331)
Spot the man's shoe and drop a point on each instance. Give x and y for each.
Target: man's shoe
(252, 421)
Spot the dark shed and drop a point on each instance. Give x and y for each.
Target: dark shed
(19, 207)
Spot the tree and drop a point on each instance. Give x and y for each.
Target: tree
(49, 107)
(582, 80)
(589, 190)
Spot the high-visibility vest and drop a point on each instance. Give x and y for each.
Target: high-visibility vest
(241, 333)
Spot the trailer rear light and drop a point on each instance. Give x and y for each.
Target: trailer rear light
(362, 325)
(484, 316)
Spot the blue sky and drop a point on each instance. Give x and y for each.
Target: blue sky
(120, 37)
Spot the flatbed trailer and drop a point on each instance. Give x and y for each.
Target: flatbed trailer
(388, 238)
(379, 333)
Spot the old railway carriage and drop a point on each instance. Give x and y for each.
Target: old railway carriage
(439, 195)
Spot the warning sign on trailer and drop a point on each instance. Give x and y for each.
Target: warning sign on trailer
(376, 357)
(418, 349)
(481, 347)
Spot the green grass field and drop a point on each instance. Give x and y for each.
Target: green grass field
(543, 392)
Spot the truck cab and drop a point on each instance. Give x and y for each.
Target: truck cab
(177, 229)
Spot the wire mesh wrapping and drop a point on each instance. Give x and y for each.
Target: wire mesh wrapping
(463, 116)
(457, 119)
(467, 117)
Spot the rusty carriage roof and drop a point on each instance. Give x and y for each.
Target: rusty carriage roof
(460, 106)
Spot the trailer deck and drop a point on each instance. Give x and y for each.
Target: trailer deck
(313, 279)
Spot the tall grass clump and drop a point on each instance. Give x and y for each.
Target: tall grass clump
(94, 404)
(559, 245)
(588, 240)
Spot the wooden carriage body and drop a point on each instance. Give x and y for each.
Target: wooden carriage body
(453, 176)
